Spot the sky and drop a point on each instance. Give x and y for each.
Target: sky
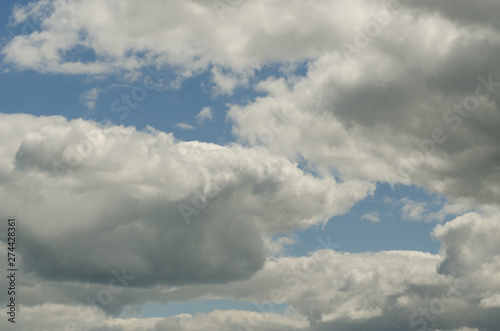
(248, 165)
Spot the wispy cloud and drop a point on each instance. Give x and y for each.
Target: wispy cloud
(204, 115)
(185, 126)
(413, 210)
(89, 98)
(372, 217)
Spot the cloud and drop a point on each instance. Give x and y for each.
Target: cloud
(392, 290)
(61, 318)
(413, 210)
(388, 290)
(188, 34)
(481, 13)
(372, 217)
(349, 115)
(204, 115)
(185, 126)
(491, 302)
(226, 81)
(151, 205)
(89, 98)
(359, 119)
(419, 211)
(416, 103)
(469, 244)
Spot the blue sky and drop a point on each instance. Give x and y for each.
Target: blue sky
(355, 121)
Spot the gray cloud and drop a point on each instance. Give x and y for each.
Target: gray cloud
(92, 200)
(413, 106)
(480, 12)
(110, 198)
(365, 291)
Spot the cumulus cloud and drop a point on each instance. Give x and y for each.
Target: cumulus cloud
(398, 92)
(62, 318)
(360, 119)
(393, 290)
(181, 33)
(351, 115)
(152, 205)
(390, 290)
(469, 245)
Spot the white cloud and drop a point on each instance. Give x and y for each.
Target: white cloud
(372, 217)
(349, 115)
(491, 302)
(185, 126)
(150, 204)
(402, 111)
(62, 318)
(458, 207)
(189, 34)
(277, 246)
(357, 118)
(327, 290)
(89, 98)
(470, 245)
(204, 115)
(413, 210)
(226, 81)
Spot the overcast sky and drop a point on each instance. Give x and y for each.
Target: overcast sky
(265, 165)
